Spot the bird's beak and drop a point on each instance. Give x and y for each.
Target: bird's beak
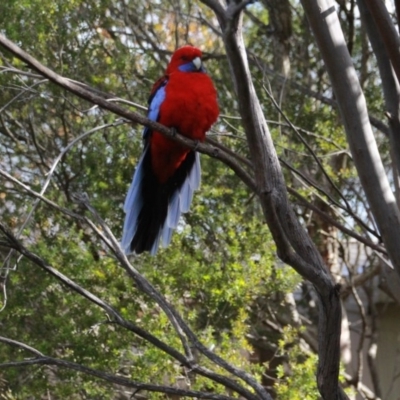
(197, 62)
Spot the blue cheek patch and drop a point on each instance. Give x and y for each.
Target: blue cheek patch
(190, 67)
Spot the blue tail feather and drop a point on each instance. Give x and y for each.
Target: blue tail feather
(132, 206)
(153, 209)
(155, 246)
(174, 211)
(166, 235)
(195, 173)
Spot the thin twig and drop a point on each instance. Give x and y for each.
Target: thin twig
(333, 222)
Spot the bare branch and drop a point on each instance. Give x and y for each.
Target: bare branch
(21, 346)
(217, 7)
(359, 280)
(333, 222)
(390, 85)
(377, 123)
(308, 147)
(39, 196)
(21, 93)
(118, 380)
(347, 207)
(367, 392)
(359, 352)
(236, 7)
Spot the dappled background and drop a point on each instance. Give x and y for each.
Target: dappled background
(220, 271)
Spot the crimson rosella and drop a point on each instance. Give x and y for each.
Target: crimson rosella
(168, 173)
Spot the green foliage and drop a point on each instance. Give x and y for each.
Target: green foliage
(220, 271)
(298, 382)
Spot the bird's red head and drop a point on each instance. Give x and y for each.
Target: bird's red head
(186, 59)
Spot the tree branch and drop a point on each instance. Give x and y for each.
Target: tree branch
(333, 222)
(390, 84)
(387, 31)
(293, 243)
(89, 95)
(377, 123)
(117, 380)
(353, 109)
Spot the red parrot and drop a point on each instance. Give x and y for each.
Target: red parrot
(168, 173)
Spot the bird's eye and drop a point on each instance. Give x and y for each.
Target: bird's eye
(184, 58)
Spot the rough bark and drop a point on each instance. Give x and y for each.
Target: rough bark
(294, 245)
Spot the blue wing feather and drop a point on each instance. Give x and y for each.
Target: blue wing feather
(155, 100)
